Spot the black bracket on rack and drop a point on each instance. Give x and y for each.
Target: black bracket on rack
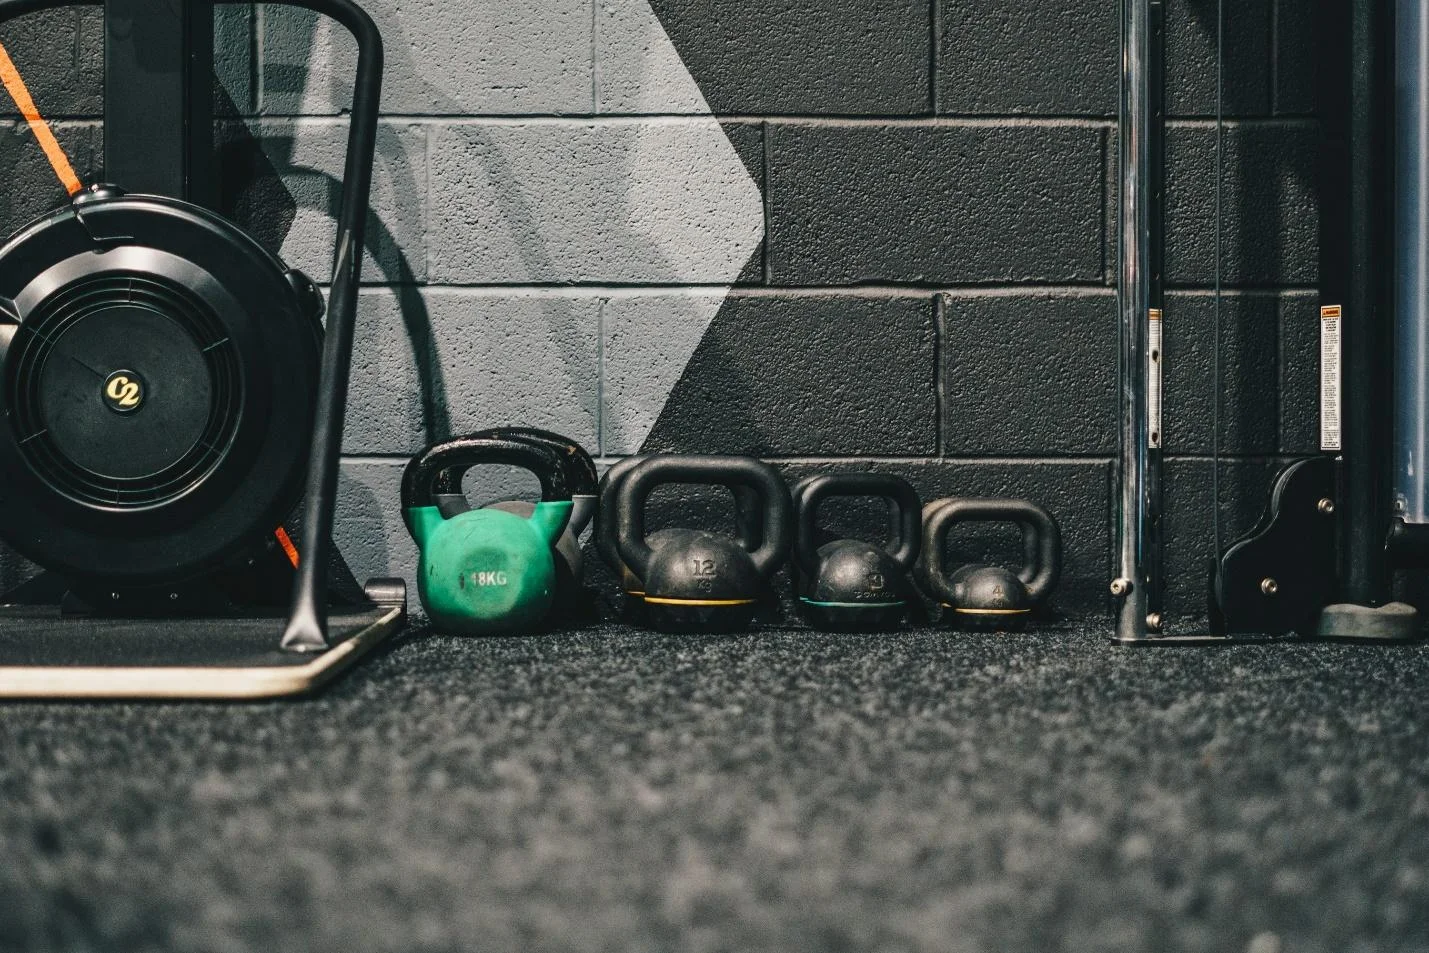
(1278, 577)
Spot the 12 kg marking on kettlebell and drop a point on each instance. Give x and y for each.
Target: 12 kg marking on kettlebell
(705, 567)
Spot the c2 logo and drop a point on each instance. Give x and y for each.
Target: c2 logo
(124, 391)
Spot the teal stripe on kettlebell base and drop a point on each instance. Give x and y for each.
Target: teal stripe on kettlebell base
(852, 605)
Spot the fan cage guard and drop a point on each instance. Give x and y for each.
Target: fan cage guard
(34, 342)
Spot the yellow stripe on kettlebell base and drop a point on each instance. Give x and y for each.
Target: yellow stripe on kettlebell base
(698, 602)
(987, 611)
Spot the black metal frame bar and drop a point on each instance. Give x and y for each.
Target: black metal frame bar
(1364, 508)
(158, 98)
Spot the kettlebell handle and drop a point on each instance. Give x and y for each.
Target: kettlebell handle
(761, 481)
(1041, 540)
(581, 475)
(579, 468)
(447, 462)
(747, 530)
(812, 491)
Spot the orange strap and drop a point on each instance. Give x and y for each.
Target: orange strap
(286, 541)
(10, 76)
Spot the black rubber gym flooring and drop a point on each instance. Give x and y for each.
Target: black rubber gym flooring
(781, 791)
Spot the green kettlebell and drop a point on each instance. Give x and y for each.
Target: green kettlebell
(572, 600)
(487, 571)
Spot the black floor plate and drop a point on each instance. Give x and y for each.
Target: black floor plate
(43, 655)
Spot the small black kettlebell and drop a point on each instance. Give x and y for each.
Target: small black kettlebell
(581, 479)
(853, 585)
(992, 597)
(696, 581)
(748, 531)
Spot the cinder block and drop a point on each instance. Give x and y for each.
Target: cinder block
(1076, 493)
(947, 203)
(618, 201)
(647, 346)
(855, 57)
(748, 141)
(234, 66)
(368, 527)
(1271, 222)
(1191, 58)
(474, 58)
(794, 375)
(1247, 390)
(30, 187)
(1031, 374)
(430, 363)
(1299, 390)
(1008, 57)
(1297, 57)
(283, 182)
(59, 55)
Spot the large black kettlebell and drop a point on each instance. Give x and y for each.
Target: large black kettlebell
(853, 584)
(992, 597)
(486, 571)
(697, 581)
(748, 531)
(581, 479)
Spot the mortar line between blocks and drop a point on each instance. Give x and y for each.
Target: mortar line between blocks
(260, 53)
(935, 15)
(725, 290)
(601, 338)
(255, 75)
(940, 321)
(1274, 57)
(767, 189)
(594, 57)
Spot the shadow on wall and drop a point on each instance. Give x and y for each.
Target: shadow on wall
(514, 209)
(1267, 389)
(616, 208)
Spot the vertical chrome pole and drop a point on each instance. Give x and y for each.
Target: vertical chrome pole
(1411, 251)
(1135, 579)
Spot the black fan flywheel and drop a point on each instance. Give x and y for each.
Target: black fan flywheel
(158, 372)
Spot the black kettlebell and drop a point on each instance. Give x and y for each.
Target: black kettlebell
(748, 531)
(696, 581)
(581, 478)
(992, 597)
(852, 584)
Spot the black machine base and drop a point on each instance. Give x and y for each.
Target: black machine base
(1392, 622)
(1276, 578)
(48, 653)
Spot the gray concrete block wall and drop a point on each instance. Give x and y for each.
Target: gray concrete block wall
(830, 232)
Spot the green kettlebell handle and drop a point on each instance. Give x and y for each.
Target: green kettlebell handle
(451, 459)
(1041, 541)
(760, 480)
(811, 491)
(580, 471)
